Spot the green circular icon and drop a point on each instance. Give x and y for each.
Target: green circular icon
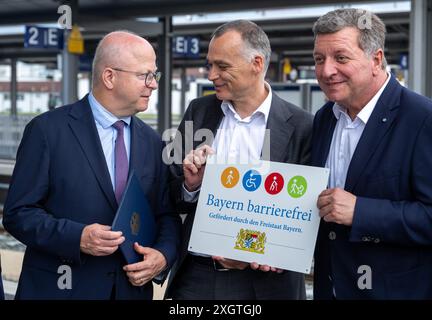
(297, 186)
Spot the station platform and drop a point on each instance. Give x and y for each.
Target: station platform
(11, 268)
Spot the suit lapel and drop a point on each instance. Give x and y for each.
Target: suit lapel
(280, 132)
(83, 127)
(325, 138)
(376, 128)
(211, 120)
(139, 143)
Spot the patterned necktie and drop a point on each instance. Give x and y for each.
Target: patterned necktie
(121, 166)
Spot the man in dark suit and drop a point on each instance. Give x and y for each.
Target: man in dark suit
(375, 236)
(71, 169)
(239, 114)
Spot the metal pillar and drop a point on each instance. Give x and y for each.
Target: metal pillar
(69, 63)
(184, 86)
(306, 92)
(420, 60)
(13, 88)
(164, 63)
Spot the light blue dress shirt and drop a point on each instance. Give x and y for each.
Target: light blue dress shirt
(108, 134)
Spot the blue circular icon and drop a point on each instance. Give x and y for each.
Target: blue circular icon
(251, 180)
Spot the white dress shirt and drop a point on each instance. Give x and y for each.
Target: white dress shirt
(346, 136)
(238, 140)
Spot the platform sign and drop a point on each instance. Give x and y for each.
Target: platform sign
(41, 37)
(186, 47)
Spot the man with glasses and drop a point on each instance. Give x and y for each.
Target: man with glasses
(238, 115)
(147, 77)
(71, 170)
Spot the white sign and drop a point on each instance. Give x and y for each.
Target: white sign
(265, 214)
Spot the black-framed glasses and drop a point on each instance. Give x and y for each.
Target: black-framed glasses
(148, 77)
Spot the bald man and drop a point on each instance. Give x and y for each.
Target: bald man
(65, 189)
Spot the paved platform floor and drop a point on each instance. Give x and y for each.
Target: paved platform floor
(11, 268)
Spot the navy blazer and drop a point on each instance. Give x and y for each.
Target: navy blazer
(61, 184)
(390, 174)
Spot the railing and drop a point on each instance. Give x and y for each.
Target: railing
(11, 131)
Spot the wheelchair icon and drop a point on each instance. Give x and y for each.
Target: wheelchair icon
(251, 180)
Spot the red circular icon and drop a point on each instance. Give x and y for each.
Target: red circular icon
(274, 183)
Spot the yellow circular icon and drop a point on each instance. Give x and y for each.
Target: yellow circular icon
(230, 176)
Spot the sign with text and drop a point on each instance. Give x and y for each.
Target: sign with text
(40, 37)
(186, 46)
(264, 213)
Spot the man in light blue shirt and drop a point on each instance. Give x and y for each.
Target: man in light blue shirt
(70, 175)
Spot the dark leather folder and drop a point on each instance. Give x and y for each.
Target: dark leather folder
(135, 219)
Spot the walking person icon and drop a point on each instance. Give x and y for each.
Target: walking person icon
(229, 178)
(297, 186)
(294, 187)
(274, 185)
(273, 182)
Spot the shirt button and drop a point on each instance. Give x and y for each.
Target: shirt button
(332, 235)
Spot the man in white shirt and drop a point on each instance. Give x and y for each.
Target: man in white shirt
(238, 115)
(69, 178)
(375, 235)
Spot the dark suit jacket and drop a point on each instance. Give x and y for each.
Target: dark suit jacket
(289, 142)
(59, 185)
(390, 173)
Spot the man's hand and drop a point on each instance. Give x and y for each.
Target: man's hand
(193, 167)
(99, 240)
(144, 271)
(337, 205)
(264, 267)
(231, 264)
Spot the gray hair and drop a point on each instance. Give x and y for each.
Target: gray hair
(371, 28)
(106, 54)
(254, 38)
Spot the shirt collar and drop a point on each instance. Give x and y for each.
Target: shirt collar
(367, 110)
(263, 109)
(102, 116)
